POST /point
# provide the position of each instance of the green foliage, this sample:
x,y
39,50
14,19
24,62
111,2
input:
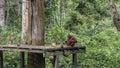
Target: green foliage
x,y
88,20
13,14
7,33
102,51
11,60
13,28
55,34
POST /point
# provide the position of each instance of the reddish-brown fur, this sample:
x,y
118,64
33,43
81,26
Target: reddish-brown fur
x,y
70,40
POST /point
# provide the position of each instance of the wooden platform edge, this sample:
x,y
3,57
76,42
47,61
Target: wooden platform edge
x,y
63,51
45,50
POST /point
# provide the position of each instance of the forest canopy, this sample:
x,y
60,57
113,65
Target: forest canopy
x,y
90,21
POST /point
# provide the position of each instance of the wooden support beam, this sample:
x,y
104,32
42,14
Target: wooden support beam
x,y
55,62
74,61
1,59
22,60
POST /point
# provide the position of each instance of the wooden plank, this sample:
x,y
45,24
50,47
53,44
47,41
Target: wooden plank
x,y
65,52
46,47
21,50
55,62
74,61
65,48
1,59
22,60
22,46
46,50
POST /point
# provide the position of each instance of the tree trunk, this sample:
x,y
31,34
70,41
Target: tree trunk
x,y
26,22
2,13
115,15
33,30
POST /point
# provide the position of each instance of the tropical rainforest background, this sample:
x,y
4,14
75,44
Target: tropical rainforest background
x,y
89,21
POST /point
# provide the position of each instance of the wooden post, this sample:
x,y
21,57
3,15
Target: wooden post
x,y
1,59
74,61
22,61
55,61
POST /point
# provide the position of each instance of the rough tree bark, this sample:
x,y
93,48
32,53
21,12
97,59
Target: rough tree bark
x,y
2,13
115,14
26,21
33,29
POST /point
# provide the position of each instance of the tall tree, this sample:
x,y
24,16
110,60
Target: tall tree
x,y
33,29
115,14
2,13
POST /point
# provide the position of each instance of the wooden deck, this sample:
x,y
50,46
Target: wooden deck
x,y
47,50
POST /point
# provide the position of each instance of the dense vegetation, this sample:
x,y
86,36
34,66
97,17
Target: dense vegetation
x,y
88,20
